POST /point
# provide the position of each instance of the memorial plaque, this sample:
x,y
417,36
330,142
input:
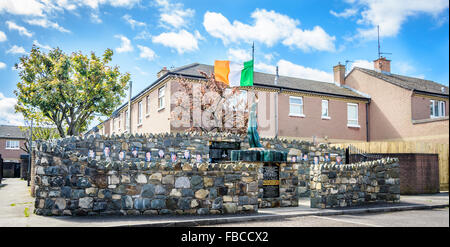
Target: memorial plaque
x,y
271,181
220,151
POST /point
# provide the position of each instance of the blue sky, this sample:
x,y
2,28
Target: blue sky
x,y
304,38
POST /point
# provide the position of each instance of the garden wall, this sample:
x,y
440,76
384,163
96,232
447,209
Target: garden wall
x,y
355,184
163,174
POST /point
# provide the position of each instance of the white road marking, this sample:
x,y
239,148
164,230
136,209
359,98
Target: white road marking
x,y
346,221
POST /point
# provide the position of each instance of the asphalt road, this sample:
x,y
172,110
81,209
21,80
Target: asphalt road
x,y
414,218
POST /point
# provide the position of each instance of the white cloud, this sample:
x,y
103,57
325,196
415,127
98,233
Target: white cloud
x,y
2,65
391,15
7,112
362,64
133,23
239,55
143,35
16,50
346,13
95,18
269,27
43,22
125,46
173,14
265,68
2,36
22,30
306,40
36,43
22,7
124,3
146,53
269,57
287,68
182,41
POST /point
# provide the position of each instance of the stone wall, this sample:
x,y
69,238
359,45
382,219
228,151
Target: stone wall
x,y
162,173
355,184
70,184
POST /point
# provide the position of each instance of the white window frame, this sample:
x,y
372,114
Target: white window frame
x,y
442,108
9,145
295,114
126,114
437,106
147,105
327,116
353,125
161,98
140,113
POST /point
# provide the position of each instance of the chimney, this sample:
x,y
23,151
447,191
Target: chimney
x,y
339,74
382,65
162,72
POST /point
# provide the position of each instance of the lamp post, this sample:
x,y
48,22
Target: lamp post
x,y
30,149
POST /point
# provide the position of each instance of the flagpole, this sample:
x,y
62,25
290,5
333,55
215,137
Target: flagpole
x,y
253,71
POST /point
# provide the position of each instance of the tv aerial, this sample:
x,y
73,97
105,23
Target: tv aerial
x,y
379,51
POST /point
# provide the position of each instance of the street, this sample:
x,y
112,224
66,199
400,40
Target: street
x,y
414,218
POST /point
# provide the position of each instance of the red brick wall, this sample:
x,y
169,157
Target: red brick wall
x,y
11,154
419,173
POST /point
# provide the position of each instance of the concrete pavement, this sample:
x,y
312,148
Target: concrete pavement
x,y
15,201
438,217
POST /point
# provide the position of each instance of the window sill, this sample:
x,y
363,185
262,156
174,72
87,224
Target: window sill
x,y
296,115
429,120
326,118
147,115
12,148
139,125
353,126
160,109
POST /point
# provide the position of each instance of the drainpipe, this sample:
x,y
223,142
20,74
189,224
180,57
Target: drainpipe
x,y
129,109
367,122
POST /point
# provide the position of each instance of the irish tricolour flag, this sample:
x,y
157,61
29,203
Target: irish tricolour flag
x,y
234,74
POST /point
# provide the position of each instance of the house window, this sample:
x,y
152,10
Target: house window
x,y
11,144
120,120
437,108
352,115
140,112
127,122
325,109
147,105
161,98
296,106
442,106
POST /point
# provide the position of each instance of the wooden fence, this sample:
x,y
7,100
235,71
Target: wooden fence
x,y
409,147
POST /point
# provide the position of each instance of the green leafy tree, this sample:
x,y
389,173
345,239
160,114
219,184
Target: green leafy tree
x,y
43,129
69,90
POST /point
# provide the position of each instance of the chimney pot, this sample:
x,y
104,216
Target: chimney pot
x,y
339,74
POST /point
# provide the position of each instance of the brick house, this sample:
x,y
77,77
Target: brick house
x,y
307,109
11,139
402,108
